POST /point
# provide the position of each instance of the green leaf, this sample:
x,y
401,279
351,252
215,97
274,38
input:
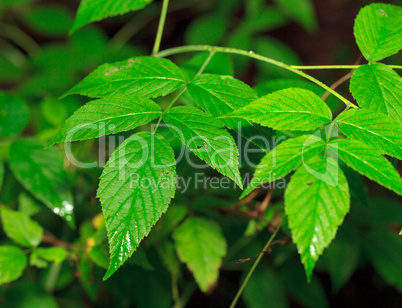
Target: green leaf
x,y
316,202
141,76
201,245
20,228
135,190
100,256
289,109
27,205
95,10
277,50
169,258
49,20
375,129
384,250
1,175
12,263
41,172
342,256
273,295
206,30
270,86
367,162
221,95
283,159
207,138
378,31
301,11
14,115
40,256
309,295
173,216
109,115
379,88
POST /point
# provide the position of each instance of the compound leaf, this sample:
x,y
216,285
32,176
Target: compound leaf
x,y
201,245
13,261
142,76
95,10
316,202
207,138
289,109
135,190
367,162
41,172
286,157
378,31
221,95
20,228
375,129
379,88
109,115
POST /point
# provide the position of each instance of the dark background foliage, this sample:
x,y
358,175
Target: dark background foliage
x,y
39,62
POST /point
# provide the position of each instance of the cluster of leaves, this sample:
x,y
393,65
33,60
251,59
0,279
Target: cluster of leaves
x,y
129,93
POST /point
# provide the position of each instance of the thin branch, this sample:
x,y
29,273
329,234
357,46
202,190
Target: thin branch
x,y
264,204
286,241
342,79
253,268
49,238
251,54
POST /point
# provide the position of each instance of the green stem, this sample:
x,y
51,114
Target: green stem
x,y
204,65
253,268
251,54
52,277
160,27
329,67
168,107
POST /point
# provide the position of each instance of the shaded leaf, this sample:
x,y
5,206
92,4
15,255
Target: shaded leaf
x,y
14,115
311,295
201,245
206,30
316,202
342,256
49,20
207,138
378,31
135,190
367,162
95,10
379,88
109,115
375,129
283,159
12,263
41,172
142,76
20,228
384,250
273,294
301,11
289,109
